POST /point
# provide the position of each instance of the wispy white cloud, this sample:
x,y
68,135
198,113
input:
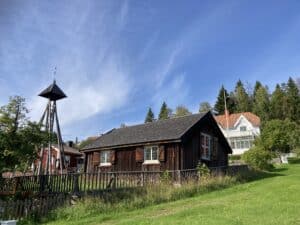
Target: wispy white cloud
x,y
123,15
94,87
107,92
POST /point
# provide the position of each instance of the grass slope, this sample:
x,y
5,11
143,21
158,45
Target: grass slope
x,y
273,200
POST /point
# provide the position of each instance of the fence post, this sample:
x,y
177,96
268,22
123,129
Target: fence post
x,y
42,183
76,184
179,176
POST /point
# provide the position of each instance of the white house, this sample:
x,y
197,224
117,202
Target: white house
x,y
240,129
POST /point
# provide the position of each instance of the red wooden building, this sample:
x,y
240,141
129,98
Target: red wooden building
x,y
73,158
171,144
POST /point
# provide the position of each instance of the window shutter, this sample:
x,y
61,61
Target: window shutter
x,y
96,158
112,157
162,154
139,154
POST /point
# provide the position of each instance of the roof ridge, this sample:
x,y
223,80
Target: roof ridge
x,y
158,121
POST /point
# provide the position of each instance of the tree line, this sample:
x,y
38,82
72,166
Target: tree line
x,y
282,103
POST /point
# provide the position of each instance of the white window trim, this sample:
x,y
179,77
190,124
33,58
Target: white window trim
x,y
107,163
209,147
152,161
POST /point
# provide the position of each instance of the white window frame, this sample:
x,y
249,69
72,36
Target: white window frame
x,y
151,160
106,158
204,146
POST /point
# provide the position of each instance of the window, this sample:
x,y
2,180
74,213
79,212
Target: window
x,y
105,158
243,128
242,142
205,146
151,154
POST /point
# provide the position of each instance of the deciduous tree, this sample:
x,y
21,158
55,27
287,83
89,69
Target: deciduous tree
x,y
181,110
204,107
19,137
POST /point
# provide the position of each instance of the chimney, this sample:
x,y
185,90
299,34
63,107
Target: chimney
x,y
70,143
227,118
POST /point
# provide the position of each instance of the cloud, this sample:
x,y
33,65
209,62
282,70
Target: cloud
x,y
109,91
122,18
174,93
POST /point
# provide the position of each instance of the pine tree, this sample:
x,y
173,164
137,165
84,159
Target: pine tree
x,y
293,100
220,103
278,103
242,98
164,112
150,116
261,106
204,107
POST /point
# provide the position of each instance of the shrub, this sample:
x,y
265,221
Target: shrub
x,y
165,177
258,158
203,170
293,160
297,151
235,157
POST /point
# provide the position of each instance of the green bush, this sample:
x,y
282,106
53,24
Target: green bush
x,y
203,170
297,151
293,160
258,158
235,157
165,177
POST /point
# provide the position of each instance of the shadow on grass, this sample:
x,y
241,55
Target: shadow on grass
x,y
255,175
281,169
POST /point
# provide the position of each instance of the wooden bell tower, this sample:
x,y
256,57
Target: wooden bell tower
x,y
50,122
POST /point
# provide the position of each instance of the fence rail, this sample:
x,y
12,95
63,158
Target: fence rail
x,y
57,189
85,182
33,207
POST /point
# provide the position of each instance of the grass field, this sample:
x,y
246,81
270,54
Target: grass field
x,y
272,200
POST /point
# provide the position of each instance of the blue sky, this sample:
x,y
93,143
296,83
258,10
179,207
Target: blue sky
x,y
114,59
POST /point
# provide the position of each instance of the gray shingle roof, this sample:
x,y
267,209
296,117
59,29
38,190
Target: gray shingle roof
x,y
161,130
69,149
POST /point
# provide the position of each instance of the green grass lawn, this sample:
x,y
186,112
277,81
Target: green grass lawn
x,y
273,200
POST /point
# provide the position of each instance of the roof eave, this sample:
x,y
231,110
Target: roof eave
x,y
131,145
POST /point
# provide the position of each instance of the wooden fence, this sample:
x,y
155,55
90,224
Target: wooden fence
x,y
31,207
85,182
57,189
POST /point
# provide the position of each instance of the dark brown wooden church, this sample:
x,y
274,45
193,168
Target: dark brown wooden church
x,y
171,144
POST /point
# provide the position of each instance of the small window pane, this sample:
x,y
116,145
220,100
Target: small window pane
x,y
246,144
147,154
154,153
243,128
102,157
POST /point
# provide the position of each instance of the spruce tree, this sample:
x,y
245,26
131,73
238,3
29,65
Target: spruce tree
x,y
256,87
293,100
150,116
220,103
242,98
164,112
231,103
278,103
261,106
